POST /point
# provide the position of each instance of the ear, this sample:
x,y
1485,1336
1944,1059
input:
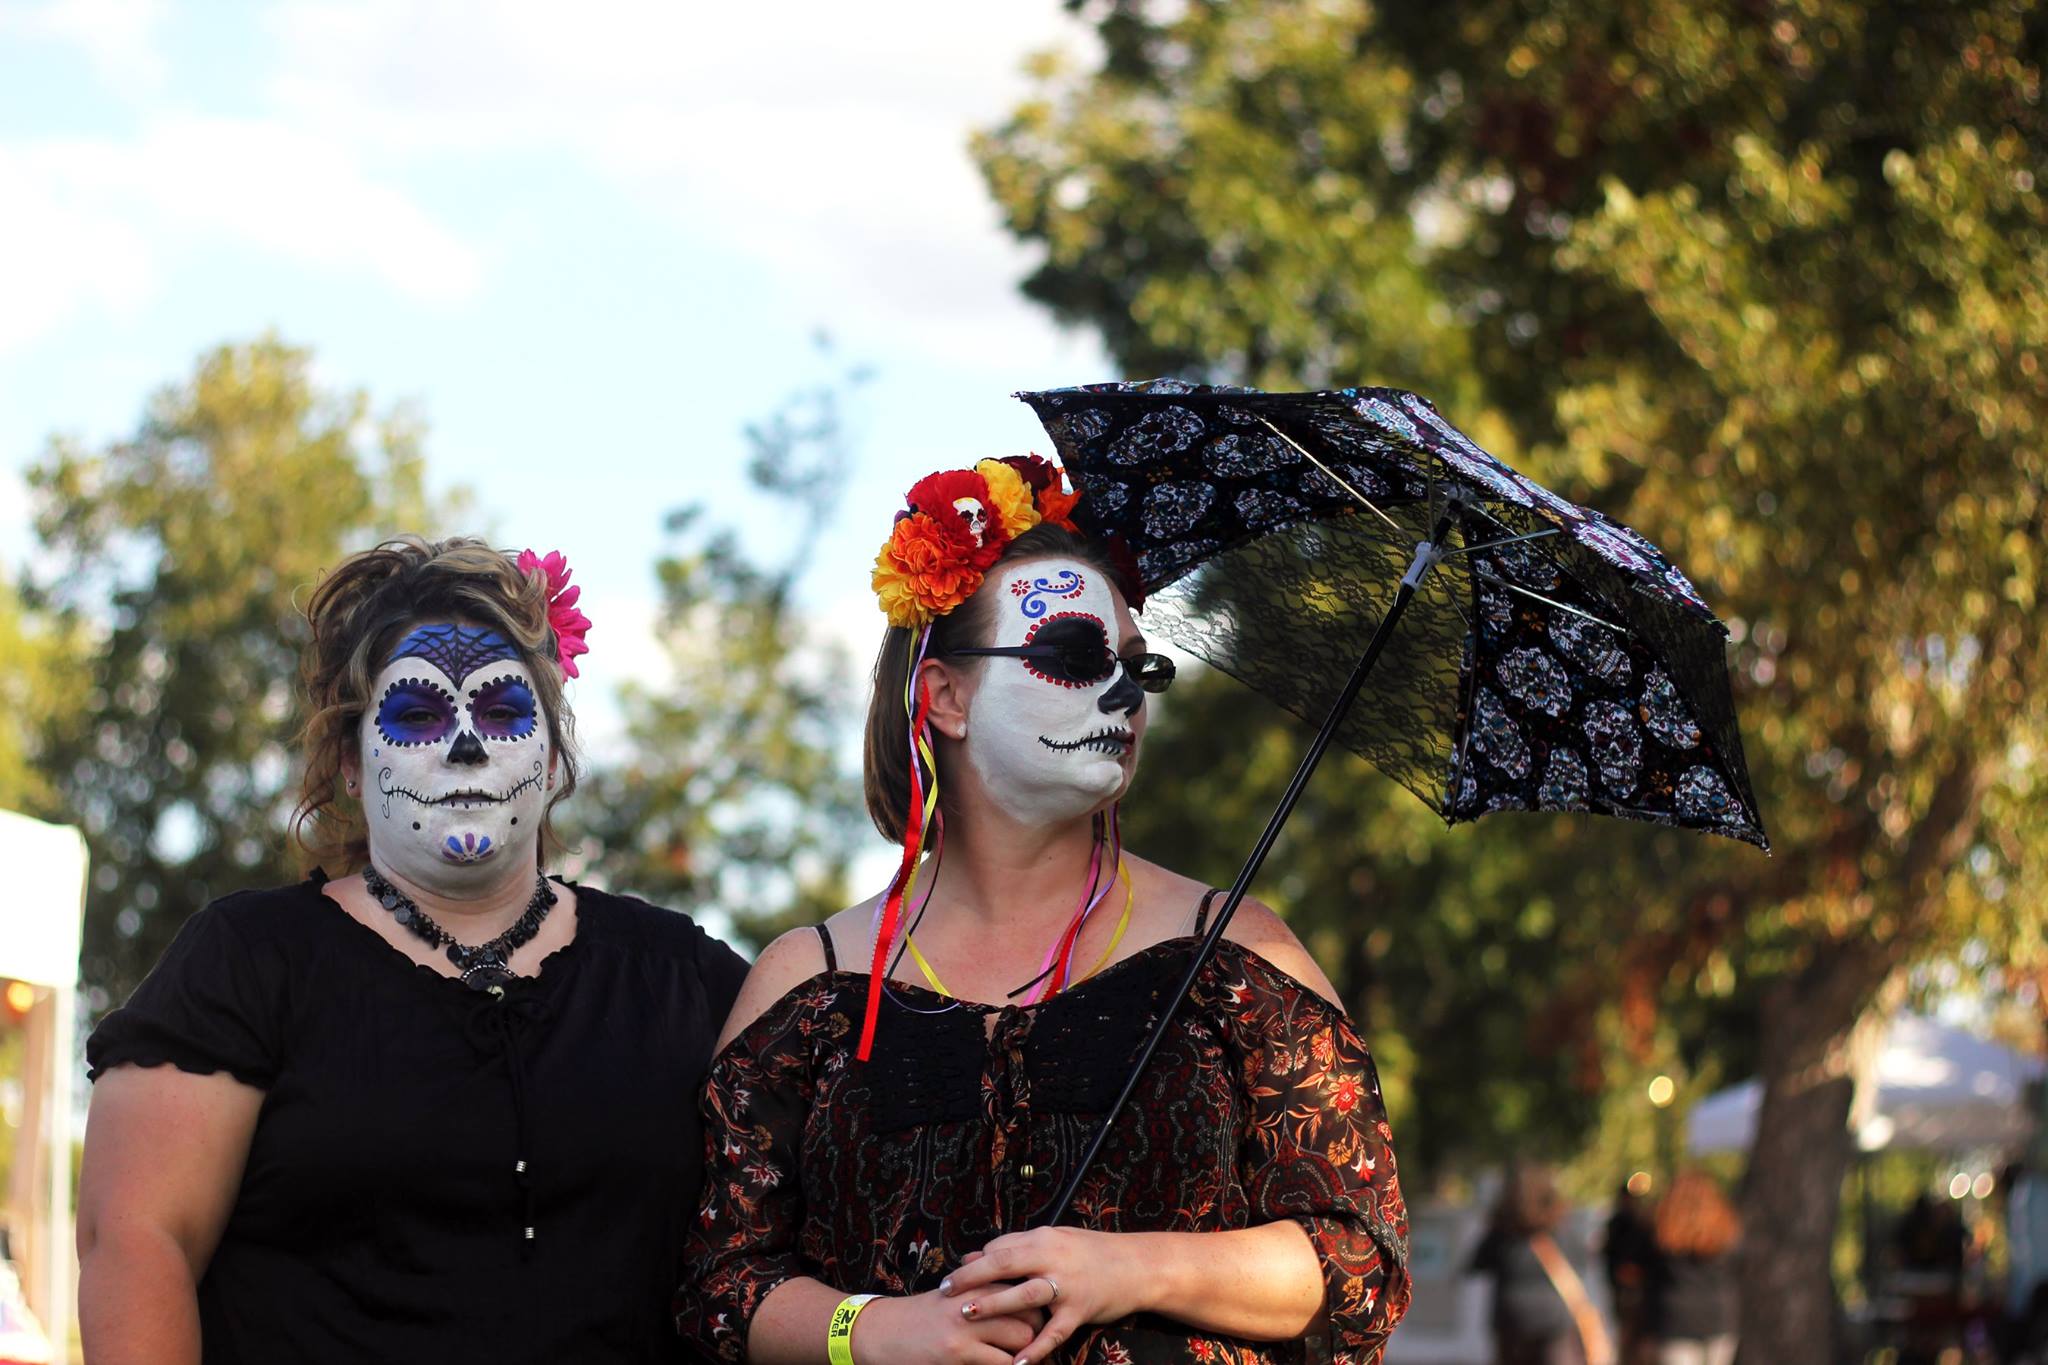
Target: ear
x,y
351,766
952,691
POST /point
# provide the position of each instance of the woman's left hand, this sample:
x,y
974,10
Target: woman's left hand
x,y
1074,1275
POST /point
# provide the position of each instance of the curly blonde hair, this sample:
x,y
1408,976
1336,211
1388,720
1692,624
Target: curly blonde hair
x,y
357,614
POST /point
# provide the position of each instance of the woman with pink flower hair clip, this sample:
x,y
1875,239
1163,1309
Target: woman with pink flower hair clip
x,y
441,1105
903,1091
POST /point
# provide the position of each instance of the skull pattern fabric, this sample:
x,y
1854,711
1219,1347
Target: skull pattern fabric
x,y
1556,660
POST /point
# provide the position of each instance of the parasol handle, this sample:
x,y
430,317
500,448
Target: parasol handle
x,y
1427,554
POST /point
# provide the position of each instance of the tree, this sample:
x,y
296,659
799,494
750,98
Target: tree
x,y
176,555
37,695
1763,280
735,796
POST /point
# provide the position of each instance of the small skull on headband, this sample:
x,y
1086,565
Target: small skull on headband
x,y
975,515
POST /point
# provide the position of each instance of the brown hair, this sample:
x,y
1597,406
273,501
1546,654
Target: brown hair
x,y
1695,1219
358,613
885,764
1530,1203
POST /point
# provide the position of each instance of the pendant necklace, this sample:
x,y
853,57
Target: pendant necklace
x,y
484,967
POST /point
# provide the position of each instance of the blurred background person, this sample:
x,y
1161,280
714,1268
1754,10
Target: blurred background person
x,y
1541,1313
1691,1312
1626,1251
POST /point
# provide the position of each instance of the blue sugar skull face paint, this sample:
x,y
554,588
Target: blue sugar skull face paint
x,y
457,651
455,759
503,709
416,711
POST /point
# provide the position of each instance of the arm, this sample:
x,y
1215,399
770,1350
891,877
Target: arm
x,y
151,1212
1316,1163
1257,1284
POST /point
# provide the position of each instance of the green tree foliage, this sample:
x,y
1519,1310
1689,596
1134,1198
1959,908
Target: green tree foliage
x,y
38,693
175,556
1763,280
733,794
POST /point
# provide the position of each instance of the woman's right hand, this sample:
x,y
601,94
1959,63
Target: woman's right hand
x,y
928,1329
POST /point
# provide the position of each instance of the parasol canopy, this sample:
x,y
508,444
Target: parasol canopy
x,y
1550,659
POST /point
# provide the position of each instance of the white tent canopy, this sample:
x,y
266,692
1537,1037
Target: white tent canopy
x,y
39,931
1939,1089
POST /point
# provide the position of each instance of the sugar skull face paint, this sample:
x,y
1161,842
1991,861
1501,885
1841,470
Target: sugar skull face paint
x,y
1053,737
454,758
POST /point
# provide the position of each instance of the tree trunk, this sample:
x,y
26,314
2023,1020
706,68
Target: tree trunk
x,y
1819,1039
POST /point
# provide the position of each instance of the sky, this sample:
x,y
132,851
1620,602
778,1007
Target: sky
x,y
588,243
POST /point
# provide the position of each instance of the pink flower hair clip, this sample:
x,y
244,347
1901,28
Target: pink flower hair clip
x,y
569,624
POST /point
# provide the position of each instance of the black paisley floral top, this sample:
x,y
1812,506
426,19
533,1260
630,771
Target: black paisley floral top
x,y
1261,1105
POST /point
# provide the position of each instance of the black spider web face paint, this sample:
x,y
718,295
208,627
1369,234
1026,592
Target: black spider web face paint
x,y
457,651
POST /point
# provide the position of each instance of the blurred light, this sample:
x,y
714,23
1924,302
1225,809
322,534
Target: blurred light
x,y
1876,1133
1639,1184
1959,1185
1982,1185
21,997
1662,1090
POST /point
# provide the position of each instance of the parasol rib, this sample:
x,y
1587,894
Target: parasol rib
x,y
1335,477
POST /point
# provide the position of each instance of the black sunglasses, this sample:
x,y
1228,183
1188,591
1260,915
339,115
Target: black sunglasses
x,y
1080,654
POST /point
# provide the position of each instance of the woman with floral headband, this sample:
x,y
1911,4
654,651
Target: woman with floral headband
x,y
901,1092
443,1106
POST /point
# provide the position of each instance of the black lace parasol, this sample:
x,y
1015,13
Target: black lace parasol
x,y
1357,559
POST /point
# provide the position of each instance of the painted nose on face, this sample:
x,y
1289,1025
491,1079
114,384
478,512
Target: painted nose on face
x,y
468,749
1126,696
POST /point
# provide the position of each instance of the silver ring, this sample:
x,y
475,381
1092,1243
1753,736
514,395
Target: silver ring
x,y
1055,1288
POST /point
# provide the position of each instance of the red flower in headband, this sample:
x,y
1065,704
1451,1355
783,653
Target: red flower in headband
x,y
960,502
564,619
1055,504
957,526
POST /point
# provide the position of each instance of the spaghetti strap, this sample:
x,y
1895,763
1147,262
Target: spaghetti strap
x,y
825,937
1202,911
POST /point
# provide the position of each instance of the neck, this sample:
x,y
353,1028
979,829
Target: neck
x,y
473,914
1008,874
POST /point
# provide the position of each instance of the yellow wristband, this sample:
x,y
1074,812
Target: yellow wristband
x,y
839,1336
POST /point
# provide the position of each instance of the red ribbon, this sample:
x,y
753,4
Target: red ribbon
x,y
892,908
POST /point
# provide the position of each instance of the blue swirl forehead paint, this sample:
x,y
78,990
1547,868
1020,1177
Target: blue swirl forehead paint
x,y
457,651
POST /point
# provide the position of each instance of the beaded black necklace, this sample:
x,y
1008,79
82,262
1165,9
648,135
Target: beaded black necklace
x,y
484,967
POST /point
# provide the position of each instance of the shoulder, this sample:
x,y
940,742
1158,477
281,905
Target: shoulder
x,y
783,965
278,922
264,911
1176,899
647,932
644,925
1255,926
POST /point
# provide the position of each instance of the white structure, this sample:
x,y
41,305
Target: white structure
x,y
39,931
1939,1089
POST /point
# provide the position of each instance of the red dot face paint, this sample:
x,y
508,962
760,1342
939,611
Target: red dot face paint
x,y
1039,734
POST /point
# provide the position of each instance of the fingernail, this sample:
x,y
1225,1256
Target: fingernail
x,y
946,1286
968,1310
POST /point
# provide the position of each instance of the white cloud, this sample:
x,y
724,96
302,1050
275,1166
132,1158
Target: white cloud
x,y
59,255
118,37
816,138
93,222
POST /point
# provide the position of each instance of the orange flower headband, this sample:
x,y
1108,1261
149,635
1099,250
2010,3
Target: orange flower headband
x,y
955,528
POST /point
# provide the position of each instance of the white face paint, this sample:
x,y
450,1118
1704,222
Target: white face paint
x,y
1048,748
454,760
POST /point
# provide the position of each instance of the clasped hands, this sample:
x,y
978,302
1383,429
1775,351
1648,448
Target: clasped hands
x,y
1014,1302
